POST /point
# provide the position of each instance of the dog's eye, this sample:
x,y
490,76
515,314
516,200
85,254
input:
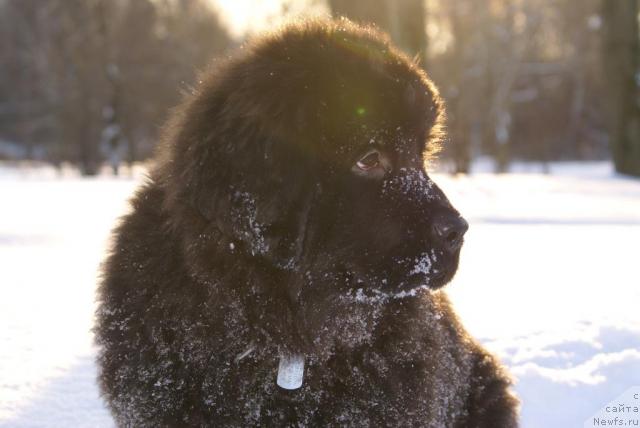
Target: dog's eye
x,y
373,164
369,161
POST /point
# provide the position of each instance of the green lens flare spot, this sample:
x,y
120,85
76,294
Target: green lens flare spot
x,y
361,111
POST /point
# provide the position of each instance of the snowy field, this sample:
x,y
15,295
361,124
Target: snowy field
x,y
549,280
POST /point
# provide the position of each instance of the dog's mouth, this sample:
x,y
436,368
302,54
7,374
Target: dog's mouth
x,y
432,268
436,279
360,290
402,276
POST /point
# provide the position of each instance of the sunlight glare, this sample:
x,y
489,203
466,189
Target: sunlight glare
x,y
246,17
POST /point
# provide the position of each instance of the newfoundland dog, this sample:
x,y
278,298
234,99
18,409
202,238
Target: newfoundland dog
x,y
280,265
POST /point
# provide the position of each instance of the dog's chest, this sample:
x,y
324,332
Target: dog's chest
x,y
368,387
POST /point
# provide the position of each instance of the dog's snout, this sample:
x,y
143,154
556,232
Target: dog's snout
x,y
450,230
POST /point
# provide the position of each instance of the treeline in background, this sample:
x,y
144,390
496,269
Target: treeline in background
x,y
90,82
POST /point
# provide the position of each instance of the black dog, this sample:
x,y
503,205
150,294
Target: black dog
x,y
279,267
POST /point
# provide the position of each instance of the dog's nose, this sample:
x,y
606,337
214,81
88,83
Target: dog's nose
x,y
450,230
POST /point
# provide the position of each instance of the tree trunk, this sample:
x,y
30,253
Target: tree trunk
x,y
404,20
621,50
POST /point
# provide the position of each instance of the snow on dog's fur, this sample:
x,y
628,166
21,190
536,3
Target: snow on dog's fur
x,y
290,214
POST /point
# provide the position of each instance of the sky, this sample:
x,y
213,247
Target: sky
x,y
246,16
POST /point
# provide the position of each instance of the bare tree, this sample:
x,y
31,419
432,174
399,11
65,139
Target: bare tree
x,y
404,20
621,55
520,79
92,80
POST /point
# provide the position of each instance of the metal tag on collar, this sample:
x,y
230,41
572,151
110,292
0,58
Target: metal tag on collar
x,y
291,372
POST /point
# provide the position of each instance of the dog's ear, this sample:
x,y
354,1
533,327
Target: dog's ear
x,y
234,186
265,205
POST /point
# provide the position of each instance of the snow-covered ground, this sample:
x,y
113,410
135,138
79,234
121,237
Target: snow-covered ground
x,y
549,280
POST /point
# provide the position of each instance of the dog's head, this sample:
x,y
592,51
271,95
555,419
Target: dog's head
x,y
306,154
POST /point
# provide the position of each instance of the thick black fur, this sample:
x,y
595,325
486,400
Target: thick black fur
x,y
254,238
